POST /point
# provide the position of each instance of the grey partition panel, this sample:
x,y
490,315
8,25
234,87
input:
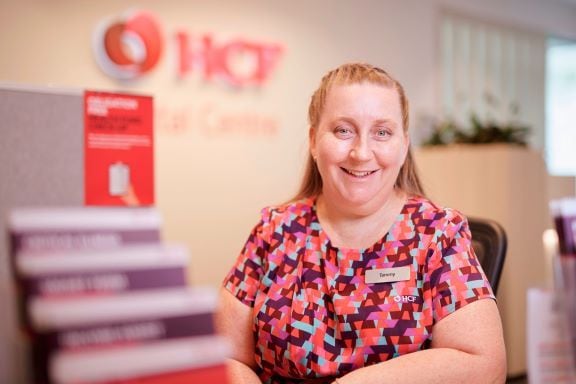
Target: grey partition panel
x,y
41,163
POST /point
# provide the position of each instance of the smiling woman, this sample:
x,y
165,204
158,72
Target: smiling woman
x,y
359,147
360,278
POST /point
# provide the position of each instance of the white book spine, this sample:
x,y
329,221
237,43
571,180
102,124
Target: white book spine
x,y
82,218
130,257
53,314
105,365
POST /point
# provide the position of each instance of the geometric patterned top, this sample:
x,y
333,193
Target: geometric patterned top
x,y
316,316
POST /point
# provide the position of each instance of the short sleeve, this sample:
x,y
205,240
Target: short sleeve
x,y
243,280
456,276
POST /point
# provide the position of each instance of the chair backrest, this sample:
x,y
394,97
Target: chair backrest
x,y
490,243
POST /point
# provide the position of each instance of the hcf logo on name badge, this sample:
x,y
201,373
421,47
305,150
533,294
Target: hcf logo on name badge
x,y
387,275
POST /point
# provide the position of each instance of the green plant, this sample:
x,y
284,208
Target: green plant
x,y
483,132
479,132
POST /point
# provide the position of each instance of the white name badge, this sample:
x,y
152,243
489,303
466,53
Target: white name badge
x,y
387,275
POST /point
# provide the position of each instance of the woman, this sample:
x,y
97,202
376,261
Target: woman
x,y
360,278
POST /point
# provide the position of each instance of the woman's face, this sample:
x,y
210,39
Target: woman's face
x,y
359,144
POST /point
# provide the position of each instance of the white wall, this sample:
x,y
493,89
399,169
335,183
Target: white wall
x,y
211,188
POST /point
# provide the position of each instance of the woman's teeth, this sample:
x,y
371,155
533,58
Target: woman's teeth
x,y
357,173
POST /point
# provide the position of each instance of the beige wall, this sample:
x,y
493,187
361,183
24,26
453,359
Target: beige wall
x,y
210,188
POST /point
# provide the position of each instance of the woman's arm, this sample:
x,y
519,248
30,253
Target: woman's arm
x,y
467,347
234,321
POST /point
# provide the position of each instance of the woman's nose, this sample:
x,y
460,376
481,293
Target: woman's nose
x,y
361,150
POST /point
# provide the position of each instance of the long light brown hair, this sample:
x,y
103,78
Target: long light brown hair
x,y
354,73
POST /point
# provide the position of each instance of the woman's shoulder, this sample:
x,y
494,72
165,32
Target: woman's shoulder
x,y
287,212
423,210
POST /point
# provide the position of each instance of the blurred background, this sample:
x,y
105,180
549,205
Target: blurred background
x,y
231,83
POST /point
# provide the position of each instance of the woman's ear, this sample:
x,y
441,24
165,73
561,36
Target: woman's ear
x,y
406,145
312,141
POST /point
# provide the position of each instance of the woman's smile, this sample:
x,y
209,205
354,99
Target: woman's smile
x,y
358,174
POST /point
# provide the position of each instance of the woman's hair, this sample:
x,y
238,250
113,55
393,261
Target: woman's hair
x,y
355,73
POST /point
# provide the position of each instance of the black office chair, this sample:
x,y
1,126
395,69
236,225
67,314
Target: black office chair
x,y
490,243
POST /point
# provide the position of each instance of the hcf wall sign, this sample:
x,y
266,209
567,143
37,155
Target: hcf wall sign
x,y
128,46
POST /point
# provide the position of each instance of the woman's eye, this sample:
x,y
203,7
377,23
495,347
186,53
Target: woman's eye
x,y
382,133
343,131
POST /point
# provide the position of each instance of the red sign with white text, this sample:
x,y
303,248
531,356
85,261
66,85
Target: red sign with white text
x,y
119,149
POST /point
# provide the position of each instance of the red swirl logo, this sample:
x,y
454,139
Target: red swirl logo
x,y
128,46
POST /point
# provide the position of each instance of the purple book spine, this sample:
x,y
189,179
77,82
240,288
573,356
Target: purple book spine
x,y
566,229
98,282
129,332
116,334
48,240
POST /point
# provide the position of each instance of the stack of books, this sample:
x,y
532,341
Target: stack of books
x,y
104,300
551,311
564,214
